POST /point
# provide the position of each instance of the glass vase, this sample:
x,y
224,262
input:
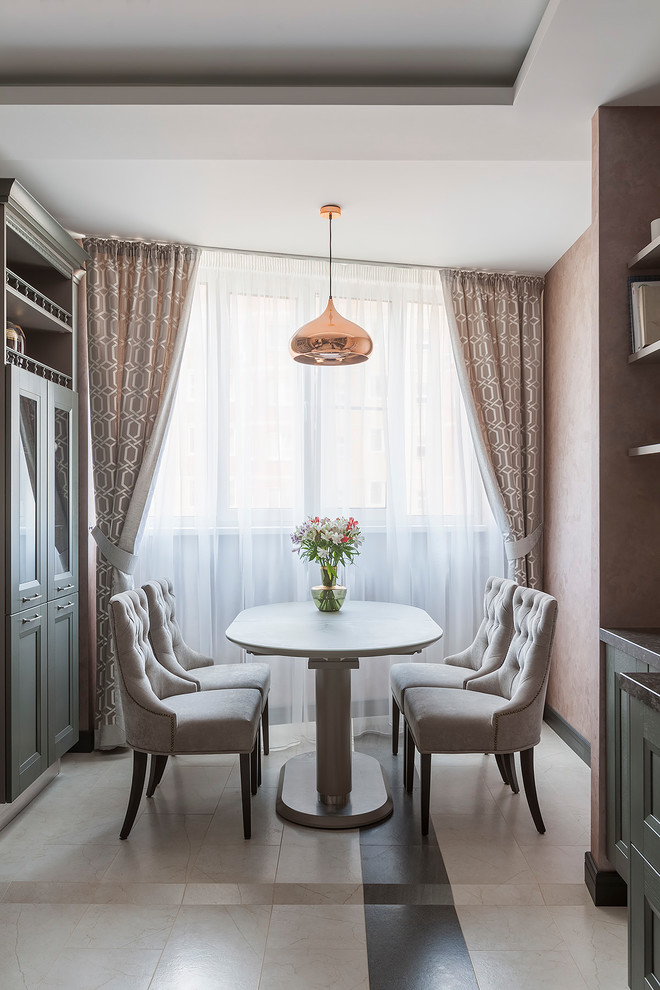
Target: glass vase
x,y
328,596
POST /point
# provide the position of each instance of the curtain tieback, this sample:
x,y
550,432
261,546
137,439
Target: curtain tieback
x,y
515,549
121,559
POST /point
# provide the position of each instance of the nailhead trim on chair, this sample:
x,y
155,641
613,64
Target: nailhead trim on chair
x,y
514,711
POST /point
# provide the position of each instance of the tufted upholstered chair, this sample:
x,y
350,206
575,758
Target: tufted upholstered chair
x,y
501,712
165,714
486,653
179,658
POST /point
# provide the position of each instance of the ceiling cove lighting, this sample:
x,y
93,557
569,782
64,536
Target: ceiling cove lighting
x,y
330,339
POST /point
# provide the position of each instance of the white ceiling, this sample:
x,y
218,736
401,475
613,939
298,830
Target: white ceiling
x,y
444,135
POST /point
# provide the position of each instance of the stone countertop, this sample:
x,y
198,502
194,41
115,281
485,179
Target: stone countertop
x,y
642,644
644,687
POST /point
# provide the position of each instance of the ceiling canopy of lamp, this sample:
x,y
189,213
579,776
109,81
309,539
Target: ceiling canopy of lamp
x,y
330,339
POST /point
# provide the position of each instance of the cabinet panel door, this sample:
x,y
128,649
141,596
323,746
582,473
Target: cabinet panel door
x,y
27,486
618,800
645,780
62,534
644,924
27,734
62,676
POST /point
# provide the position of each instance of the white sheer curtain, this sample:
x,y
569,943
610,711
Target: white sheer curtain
x,y
257,442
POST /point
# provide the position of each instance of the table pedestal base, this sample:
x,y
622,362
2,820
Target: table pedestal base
x,y
298,801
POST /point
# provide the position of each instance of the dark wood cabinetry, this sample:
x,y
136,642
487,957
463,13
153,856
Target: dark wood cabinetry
x,y
41,265
627,651
618,761
648,259
644,829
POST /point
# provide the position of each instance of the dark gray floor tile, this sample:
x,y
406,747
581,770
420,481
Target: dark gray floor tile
x,y
407,893
412,947
402,864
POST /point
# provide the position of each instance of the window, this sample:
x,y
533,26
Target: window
x,y
257,431
257,442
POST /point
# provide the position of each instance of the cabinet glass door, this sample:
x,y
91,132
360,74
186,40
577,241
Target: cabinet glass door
x,y
62,492
27,584
27,488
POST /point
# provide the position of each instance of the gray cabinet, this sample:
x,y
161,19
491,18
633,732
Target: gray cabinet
x,y
644,924
617,723
42,643
644,885
40,268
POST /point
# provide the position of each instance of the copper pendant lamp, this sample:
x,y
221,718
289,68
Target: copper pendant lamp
x,y
330,339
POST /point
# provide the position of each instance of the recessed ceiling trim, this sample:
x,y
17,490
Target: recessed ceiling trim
x,y
132,95
535,46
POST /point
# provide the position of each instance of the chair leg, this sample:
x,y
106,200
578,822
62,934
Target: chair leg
x,y
254,771
395,727
405,754
245,759
501,766
156,771
425,775
410,758
259,756
137,785
266,729
527,767
511,771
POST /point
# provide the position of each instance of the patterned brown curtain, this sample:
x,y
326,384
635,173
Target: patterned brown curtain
x,y
496,329
138,305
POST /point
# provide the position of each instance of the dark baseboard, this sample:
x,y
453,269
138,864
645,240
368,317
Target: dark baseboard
x,y
571,736
85,742
606,887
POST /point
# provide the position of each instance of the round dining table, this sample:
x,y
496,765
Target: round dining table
x,y
333,787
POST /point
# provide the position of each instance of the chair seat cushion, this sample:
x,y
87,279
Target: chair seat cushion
x,y
452,721
441,675
215,721
221,676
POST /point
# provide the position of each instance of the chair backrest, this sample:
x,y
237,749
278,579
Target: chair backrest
x,y
165,632
490,645
523,677
143,682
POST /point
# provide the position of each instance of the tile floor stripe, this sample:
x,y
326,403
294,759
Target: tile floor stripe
x,y
414,938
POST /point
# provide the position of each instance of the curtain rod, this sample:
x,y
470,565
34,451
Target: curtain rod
x,y
321,258
314,257
356,261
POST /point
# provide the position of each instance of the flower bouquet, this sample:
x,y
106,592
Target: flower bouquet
x,y
331,542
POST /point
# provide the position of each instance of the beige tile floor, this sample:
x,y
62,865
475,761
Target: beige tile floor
x,y
187,904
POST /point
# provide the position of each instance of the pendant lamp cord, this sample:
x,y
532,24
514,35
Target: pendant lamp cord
x,y
330,222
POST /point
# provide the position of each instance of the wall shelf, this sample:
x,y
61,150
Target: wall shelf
x,y
648,257
650,354
649,448
32,315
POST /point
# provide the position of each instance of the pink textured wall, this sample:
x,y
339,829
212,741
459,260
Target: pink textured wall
x,y
571,480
